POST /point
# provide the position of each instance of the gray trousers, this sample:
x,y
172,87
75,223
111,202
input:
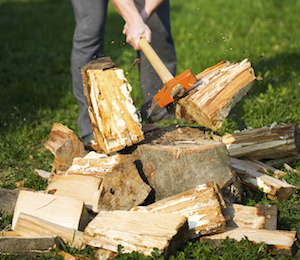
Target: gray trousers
x,y
88,44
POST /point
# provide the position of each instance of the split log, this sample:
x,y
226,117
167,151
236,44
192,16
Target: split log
x,y
283,160
264,143
224,85
258,217
28,225
112,114
181,158
273,187
65,146
65,211
137,231
11,242
200,205
276,240
111,183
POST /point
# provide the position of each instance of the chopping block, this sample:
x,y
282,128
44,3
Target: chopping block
x,y
175,159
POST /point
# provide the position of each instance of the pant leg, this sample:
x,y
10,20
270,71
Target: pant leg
x,y
88,44
162,43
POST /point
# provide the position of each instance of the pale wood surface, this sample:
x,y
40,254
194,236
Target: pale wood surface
x,y
28,225
112,114
200,205
257,217
64,145
65,211
110,183
275,188
276,240
269,142
137,231
224,85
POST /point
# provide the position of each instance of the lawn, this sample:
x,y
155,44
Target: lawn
x,y
36,91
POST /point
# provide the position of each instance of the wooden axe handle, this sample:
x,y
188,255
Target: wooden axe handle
x,y
160,68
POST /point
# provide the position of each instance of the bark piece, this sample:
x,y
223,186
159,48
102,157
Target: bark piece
x,y
200,205
276,240
65,211
111,183
65,146
112,114
273,187
28,225
137,231
11,242
224,85
264,143
258,217
181,158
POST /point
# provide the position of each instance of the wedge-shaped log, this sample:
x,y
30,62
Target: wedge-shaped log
x,y
273,187
276,240
11,242
181,158
65,146
224,85
257,217
65,211
112,114
200,205
137,231
270,142
111,183
28,225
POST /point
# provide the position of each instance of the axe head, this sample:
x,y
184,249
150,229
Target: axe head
x,y
171,91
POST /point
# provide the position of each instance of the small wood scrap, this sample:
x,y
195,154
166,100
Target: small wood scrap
x,y
181,158
65,211
64,145
113,118
276,240
11,242
200,205
258,217
109,183
137,231
290,169
274,188
224,85
270,142
31,226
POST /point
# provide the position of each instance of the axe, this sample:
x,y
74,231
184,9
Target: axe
x,y
174,87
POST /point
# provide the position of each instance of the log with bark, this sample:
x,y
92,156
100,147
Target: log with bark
x,y
200,205
65,211
276,240
175,159
112,114
274,188
109,183
271,142
137,231
224,85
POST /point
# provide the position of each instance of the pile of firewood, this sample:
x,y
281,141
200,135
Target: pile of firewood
x,y
155,189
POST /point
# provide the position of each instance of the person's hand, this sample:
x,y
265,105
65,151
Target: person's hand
x,y
134,32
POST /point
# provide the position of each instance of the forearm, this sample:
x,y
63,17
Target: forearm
x,y
149,8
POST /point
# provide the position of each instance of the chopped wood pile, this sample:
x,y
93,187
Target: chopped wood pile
x,y
155,189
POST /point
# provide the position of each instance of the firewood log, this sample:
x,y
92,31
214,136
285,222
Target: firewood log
x,y
200,205
224,85
137,231
112,114
110,183
264,143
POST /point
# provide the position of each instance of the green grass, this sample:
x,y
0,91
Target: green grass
x,y
36,91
